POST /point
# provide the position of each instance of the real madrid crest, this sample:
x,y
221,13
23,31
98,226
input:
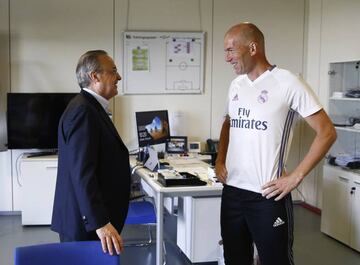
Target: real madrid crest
x,y
263,97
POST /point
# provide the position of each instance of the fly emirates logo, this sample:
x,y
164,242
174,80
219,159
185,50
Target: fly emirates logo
x,y
246,122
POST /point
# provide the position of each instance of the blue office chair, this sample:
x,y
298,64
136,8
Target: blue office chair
x,y
141,213
69,253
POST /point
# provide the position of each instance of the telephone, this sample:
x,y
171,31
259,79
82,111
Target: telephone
x,y
212,145
212,149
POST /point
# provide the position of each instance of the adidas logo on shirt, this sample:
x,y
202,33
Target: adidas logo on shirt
x,y
278,222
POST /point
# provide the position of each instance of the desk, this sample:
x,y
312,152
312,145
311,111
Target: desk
x,y
159,192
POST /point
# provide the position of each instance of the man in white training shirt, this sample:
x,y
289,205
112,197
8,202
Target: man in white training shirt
x,y
254,142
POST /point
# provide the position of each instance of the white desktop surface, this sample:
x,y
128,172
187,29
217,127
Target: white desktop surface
x,y
199,168
159,191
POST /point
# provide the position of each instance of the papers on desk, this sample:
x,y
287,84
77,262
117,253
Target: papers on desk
x,y
212,176
198,171
152,161
196,167
204,173
183,161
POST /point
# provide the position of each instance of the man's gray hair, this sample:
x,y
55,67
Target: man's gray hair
x,y
88,63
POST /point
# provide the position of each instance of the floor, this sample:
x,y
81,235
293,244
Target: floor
x,y
311,247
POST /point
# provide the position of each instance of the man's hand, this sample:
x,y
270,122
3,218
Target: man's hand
x,y
281,186
221,172
110,238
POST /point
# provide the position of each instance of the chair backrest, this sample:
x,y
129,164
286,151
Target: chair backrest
x,y
69,253
141,212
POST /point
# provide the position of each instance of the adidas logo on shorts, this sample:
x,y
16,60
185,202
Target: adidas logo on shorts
x,y
278,222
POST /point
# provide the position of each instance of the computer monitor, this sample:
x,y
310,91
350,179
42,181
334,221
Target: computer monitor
x,y
176,145
152,127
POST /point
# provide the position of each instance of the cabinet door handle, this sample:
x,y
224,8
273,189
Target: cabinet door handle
x,y
51,167
343,179
353,189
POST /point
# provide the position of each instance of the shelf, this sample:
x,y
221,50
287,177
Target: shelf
x,y
353,171
348,129
345,99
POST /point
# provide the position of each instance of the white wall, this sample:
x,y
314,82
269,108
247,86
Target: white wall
x,y
4,66
5,162
47,38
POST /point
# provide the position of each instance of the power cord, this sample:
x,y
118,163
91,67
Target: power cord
x,y
18,168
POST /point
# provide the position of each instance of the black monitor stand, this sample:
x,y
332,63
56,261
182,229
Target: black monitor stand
x,y
213,156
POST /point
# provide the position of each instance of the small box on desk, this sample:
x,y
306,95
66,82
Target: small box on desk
x,y
170,178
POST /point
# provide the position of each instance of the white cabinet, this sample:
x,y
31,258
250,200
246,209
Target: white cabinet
x,y
340,216
341,187
198,228
335,218
355,214
5,182
38,176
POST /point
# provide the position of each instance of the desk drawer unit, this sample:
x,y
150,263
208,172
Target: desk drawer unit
x,y
198,228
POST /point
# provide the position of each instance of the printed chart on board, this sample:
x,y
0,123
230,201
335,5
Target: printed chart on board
x,y
163,62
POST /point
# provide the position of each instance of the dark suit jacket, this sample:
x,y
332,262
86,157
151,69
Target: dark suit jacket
x,y
93,180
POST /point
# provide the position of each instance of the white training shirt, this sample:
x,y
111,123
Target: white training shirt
x,y
261,121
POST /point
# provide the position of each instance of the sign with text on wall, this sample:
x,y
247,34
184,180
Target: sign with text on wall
x,y
163,62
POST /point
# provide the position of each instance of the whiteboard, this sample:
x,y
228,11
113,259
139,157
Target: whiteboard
x,y
163,62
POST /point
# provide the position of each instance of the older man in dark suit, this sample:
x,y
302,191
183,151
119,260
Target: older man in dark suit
x,y
93,181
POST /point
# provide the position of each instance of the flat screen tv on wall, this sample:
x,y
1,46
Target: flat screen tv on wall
x,y
33,118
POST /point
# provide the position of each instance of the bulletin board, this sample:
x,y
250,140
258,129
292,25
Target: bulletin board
x,y
163,62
